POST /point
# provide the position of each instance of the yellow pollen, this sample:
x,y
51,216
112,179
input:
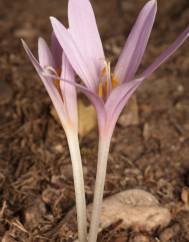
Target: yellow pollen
x,y
107,82
104,71
115,81
100,89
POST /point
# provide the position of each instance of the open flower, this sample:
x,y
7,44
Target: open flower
x,y
109,92
83,48
64,98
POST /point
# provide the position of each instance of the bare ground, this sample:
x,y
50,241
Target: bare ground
x,y
36,187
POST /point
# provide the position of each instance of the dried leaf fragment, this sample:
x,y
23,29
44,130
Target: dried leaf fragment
x,y
87,118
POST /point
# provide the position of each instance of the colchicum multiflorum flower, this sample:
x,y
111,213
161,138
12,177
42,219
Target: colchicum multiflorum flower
x,y
108,91
64,98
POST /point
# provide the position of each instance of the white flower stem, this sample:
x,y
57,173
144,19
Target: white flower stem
x,y
73,143
103,151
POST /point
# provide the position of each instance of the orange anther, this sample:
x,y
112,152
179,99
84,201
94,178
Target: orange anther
x,y
115,81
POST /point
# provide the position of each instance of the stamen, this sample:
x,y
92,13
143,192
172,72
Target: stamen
x,y
115,81
105,88
100,89
107,81
104,80
103,73
108,71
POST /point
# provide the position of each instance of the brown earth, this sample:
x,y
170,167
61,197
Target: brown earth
x,y
36,187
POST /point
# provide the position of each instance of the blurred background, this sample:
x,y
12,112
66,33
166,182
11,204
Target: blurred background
x,y
150,146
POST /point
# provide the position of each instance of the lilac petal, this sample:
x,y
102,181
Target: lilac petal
x,y
56,51
52,91
120,104
73,54
95,100
120,96
84,30
167,53
44,53
69,91
136,43
117,95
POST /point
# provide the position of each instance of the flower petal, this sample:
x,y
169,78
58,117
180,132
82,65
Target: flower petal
x,y
95,100
56,51
69,91
136,43
84,30
44,53
52,91
117,95
167,53
120,96
73,53
114,114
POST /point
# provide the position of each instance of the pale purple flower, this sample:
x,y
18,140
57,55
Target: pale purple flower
x,y
108,92
83,48
64,98
54,60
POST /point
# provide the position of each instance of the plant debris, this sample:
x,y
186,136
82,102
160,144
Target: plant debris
x,y
34,158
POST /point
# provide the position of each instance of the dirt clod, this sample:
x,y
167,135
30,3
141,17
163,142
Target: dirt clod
x,y
140,238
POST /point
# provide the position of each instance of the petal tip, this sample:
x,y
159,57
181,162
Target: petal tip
x,y
152,4
23,42
41,41
24,45
41,44
52,19
55,22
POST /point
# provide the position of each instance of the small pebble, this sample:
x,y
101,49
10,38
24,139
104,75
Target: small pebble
x,y
141,238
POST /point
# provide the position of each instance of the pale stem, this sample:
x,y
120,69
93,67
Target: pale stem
x,y
73,143
103,151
